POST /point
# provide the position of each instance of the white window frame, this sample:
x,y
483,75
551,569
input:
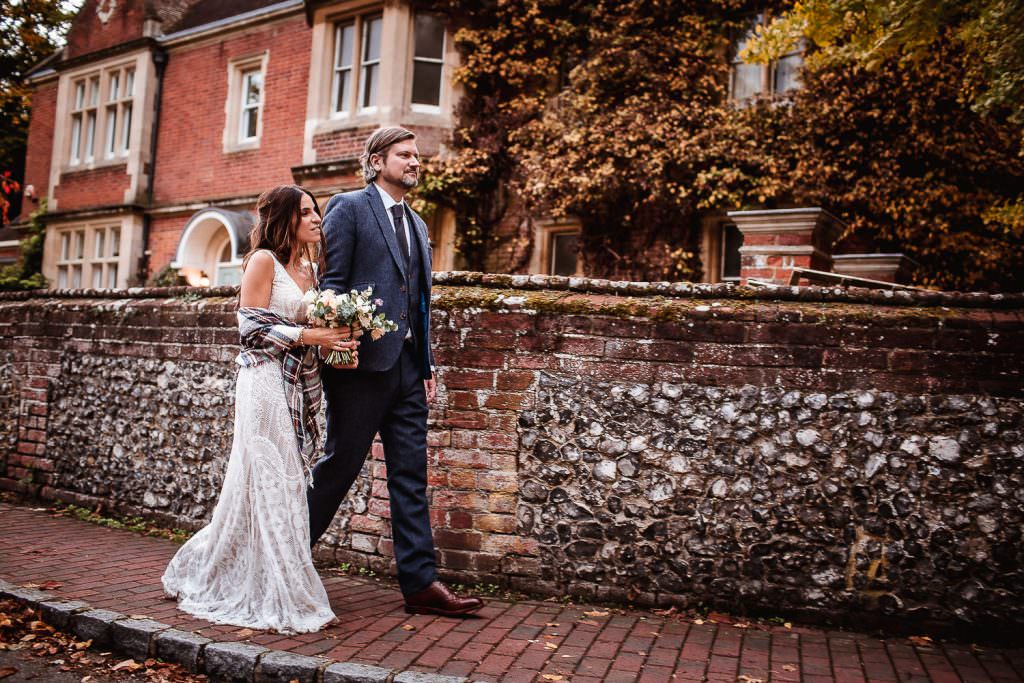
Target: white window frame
x,y
249,109
364,64
91,254
237,107
101,116
350,70
71,259
767,71
419,107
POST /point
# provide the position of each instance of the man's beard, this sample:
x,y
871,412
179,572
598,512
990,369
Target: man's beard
x,y
409,183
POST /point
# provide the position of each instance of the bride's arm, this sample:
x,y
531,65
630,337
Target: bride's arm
x,y
257,283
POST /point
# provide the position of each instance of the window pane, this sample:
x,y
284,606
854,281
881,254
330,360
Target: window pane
x,y
342,89
79,94
65,246
345,37
114,83
94,91
97,276
112,275
129,83
787,73
111,141
426,83
76,136
429,36
115,242
98,251
90,134
253,87
76,277
126,128
62,277
79,251
250,124
746,80
563,254
370,85
371,39
732,240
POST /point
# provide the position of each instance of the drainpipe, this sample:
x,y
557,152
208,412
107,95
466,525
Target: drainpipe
x,y
160,62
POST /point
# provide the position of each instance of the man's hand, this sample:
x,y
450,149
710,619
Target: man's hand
x,y
431,386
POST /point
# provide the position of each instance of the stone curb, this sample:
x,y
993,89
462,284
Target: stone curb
x,y
222,661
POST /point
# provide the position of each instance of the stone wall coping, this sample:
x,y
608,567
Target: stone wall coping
x,y
679,290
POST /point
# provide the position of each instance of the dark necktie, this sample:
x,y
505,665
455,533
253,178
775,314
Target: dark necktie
x,y
403,242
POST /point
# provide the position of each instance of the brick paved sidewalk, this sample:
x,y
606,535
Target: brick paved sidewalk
x,y
509,642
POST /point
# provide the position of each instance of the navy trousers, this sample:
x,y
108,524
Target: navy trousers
x,y
394,403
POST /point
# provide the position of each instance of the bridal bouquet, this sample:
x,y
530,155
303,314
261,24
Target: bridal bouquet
x,y
356,309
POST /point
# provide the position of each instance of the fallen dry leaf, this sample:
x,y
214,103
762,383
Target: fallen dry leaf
x,y
666,612
699,622
30,636
788,667
550,646
7,671
245,632
748,679
551,677
596,613
129,664
588,622
741,624
408,627
921,641
551,623
788,625
138,616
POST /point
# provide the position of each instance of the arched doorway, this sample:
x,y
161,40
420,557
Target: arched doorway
x,y
212,246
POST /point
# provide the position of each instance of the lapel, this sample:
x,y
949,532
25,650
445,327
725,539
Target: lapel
x,y
377,204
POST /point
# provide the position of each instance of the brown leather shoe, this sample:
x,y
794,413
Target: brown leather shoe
x,y
437,598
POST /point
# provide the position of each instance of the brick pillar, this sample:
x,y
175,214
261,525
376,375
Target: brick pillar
x,y
777,241
897,268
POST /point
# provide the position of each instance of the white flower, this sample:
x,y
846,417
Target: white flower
x,y
310,296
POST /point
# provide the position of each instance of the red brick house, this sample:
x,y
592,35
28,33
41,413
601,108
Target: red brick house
x,y
159,124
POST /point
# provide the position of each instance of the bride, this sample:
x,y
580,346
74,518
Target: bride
x,y
252,565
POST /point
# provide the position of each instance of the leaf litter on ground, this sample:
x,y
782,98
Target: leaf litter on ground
x,y
21,628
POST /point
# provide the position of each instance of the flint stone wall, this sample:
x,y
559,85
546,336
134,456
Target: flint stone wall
x,y
846,455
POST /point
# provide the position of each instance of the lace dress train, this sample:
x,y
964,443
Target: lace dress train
x,y
252,565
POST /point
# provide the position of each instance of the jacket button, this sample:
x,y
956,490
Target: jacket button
x,y
403,288
403,316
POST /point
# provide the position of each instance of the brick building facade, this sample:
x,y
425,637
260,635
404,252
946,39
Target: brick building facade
x,y
159,124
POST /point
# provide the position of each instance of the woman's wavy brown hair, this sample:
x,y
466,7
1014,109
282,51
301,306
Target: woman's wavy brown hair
x,y
279,211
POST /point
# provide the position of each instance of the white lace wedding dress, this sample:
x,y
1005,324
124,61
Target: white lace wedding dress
x,y
252,565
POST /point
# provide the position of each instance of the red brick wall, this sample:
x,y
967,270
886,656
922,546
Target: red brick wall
x,y
191,162
40,142
164,234
89,34
348,143
96,187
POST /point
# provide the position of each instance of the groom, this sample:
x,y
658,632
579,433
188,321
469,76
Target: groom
x,y
375,240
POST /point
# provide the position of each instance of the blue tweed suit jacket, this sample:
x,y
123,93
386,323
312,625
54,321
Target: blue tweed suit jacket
x,y
362,251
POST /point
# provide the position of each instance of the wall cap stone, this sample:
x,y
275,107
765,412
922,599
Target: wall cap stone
x,y
681,290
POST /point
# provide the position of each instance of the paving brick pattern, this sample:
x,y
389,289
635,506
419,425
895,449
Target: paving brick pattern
x,y
509,642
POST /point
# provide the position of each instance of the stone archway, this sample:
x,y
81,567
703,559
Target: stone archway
x,y
211,247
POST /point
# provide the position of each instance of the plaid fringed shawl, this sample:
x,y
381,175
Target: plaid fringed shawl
x,y
262,342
